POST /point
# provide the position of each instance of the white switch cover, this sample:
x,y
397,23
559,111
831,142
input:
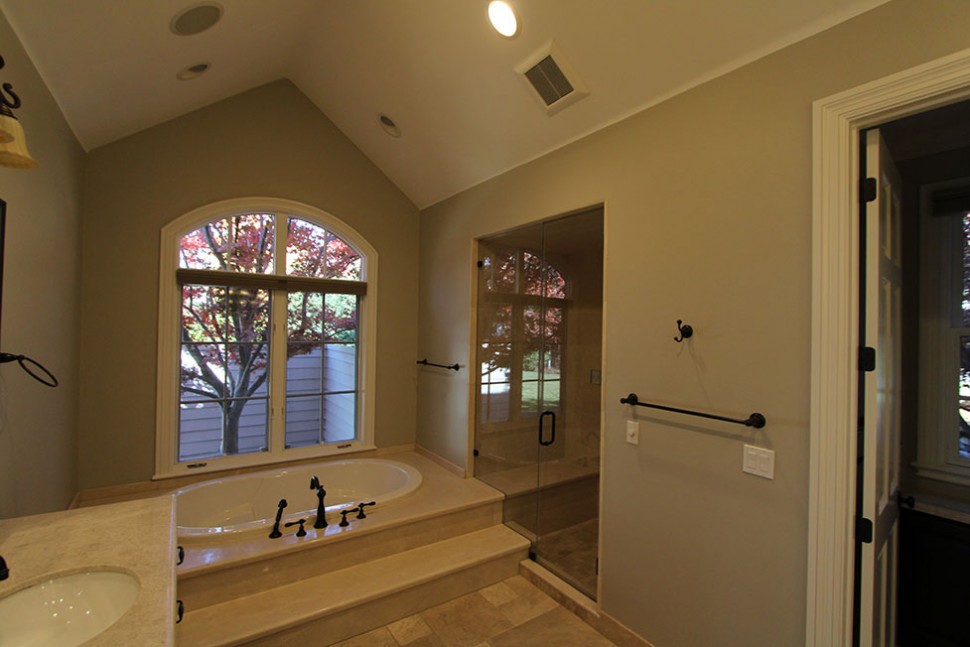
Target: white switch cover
x,y
633,432
759,461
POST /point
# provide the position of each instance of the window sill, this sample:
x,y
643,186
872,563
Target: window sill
x,y
942,472
944,508
254,462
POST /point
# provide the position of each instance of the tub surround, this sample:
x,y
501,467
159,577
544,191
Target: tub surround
x,y
442,541
137,537
439,491
249,503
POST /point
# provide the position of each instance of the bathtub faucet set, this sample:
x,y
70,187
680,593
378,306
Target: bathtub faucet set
x,y
321,521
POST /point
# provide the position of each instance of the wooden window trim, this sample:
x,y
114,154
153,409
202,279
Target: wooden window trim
x,y
270,282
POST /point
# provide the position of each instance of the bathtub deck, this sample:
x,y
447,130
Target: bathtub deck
x,y
440,542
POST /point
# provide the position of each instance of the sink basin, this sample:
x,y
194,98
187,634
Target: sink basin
x,y
66,610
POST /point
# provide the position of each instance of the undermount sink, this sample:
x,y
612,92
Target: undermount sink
x,y
66,610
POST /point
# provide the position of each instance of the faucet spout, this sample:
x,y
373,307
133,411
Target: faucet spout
x,y
4,571
321,521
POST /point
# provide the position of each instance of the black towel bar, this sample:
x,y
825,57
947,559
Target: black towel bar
x,y
453,367
755,420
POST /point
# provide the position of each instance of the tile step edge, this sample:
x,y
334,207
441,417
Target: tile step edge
x,y
314,598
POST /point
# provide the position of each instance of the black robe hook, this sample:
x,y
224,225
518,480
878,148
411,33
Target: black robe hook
x,y
685,331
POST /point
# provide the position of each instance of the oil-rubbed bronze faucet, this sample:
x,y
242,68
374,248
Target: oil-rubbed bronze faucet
x,y
4,571
360,509
321,521
302,531
279,515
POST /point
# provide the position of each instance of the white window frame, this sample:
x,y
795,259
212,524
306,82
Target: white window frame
x,y
167,464
518,301
940,329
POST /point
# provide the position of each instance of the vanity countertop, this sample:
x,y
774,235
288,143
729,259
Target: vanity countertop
x,y
133,536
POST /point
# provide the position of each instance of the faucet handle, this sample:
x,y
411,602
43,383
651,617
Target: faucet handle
x,y
360,509
314,482
4,571
343,517
302,531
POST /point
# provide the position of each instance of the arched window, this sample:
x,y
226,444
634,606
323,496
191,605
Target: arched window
x,y
262,353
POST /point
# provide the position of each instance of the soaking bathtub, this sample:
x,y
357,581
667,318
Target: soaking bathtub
x,y
237,504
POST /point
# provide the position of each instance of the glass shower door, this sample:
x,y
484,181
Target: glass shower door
x,y
537,431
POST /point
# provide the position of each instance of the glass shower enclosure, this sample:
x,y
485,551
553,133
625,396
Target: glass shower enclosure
x,y
539,340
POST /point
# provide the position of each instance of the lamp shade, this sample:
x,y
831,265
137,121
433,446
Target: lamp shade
x,y
6,130
14,153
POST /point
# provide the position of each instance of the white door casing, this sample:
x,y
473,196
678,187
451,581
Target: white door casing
x,y
837,121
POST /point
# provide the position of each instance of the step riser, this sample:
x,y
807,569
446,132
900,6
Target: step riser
x,y
214,587
377,613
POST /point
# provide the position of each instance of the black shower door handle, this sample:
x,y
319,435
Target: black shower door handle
x,y
546,443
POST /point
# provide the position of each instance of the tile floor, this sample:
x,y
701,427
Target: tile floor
x,y
571,554
512,613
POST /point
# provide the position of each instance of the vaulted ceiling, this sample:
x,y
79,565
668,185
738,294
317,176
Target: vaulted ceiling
x,y
435,67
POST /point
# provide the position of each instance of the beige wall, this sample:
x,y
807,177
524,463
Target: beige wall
x,y
270,141
708,219
38,425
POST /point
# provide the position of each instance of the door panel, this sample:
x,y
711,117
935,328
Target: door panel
x,y
881,431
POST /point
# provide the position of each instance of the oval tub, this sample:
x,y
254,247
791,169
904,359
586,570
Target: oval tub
x,y
249,502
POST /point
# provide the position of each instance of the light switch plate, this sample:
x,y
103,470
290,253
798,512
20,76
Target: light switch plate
x,y
633,432
759,461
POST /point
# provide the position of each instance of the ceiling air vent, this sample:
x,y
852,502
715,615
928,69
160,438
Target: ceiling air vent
x,y
552,78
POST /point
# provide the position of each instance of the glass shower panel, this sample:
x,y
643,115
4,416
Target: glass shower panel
x,y
506,447
538,400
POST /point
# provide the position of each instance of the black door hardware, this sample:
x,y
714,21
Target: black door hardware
x,y
552,439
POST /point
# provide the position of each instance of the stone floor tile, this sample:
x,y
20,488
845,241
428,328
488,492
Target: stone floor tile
x,y
409,629
557,627
498,594
466,621
379,637
526,607
431,640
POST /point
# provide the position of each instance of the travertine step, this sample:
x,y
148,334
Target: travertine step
x,y
203,585
327,608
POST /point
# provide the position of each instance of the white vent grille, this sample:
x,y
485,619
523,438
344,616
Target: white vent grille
x,y
552,78
549,81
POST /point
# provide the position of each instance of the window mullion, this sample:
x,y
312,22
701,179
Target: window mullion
x,y
277,390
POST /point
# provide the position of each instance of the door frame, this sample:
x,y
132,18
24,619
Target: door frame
x,y
833,413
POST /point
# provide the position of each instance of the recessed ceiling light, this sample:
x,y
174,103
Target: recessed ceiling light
x,y
192,72
502,17
196,19
389,126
